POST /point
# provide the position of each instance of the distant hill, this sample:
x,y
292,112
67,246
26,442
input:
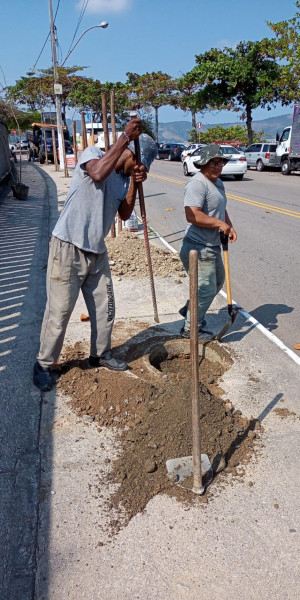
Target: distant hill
x,y
178,131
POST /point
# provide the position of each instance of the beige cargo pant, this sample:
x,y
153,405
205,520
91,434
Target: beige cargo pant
x,y
69,271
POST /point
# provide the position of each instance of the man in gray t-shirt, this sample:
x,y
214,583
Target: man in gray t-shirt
x,y
102,185
205,209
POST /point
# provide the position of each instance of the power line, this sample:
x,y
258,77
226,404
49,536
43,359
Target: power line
x,y
83,9
46,40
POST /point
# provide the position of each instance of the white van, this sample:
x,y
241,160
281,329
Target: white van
x,y
96,130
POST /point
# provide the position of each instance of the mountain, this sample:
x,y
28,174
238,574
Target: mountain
x,y
178,131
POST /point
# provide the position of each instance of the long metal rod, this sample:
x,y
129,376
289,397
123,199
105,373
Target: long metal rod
x,y
194,353
145,229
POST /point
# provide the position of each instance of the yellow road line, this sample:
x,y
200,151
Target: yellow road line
x,y
283,211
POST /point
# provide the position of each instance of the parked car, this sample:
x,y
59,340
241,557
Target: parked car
x,y
261,155
236,166
50,154
188,151
170,151
23,145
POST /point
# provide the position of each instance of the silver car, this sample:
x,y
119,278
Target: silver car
x,y
261,155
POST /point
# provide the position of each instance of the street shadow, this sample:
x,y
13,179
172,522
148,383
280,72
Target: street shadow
x,y
155,195
266,315
238,441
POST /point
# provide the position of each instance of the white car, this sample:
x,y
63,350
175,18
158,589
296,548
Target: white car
x,y
236,166
188,151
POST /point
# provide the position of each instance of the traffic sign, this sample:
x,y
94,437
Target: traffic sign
x,y
199,125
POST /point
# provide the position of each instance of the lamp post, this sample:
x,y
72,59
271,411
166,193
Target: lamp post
x,y
103,25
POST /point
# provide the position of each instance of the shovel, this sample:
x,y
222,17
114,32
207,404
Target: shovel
x,y
232,311
198,464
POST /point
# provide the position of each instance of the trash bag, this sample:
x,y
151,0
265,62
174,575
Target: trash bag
x,y
132,223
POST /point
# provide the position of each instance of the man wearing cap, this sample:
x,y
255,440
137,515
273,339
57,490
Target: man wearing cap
x,y
205,209
102,185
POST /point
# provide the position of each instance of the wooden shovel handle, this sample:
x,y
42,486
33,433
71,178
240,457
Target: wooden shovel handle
x,y
224,242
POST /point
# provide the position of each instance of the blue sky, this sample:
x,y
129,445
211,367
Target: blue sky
x,y
143,35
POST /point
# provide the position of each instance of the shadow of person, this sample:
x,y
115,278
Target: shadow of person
x,y
266,314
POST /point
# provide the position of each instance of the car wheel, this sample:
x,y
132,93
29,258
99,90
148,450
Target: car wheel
x,y
238,177
285,167
170,157
185,169
260,165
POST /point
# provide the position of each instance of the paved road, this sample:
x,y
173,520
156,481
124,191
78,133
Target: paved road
x,y
265,210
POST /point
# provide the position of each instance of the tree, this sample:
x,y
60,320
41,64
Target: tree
x,y
86,95
187,100
15,118
286,47
151,90
234,133
36,92
243,78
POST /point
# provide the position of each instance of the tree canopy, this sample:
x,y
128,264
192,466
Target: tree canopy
x,y
285,47
241,78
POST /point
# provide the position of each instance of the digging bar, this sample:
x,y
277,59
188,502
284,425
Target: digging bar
x,y
232,310
198,464
145,228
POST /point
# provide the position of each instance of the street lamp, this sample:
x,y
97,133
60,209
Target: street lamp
x,y
103,25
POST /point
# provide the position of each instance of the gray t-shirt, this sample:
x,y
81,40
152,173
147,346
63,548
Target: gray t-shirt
x,y
90,207
211,198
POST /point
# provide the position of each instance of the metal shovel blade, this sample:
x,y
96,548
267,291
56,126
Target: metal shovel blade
x,y
228,324
183,467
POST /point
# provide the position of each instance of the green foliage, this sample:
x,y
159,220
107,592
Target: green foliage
x,y
150,90
234,133
286,48
241,78
36,92
15,118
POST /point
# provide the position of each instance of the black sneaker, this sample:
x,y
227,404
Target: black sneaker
x,y
182,311
114,364
203,336
42,377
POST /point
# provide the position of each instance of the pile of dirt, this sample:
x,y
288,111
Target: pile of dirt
x,y
128,258
150,409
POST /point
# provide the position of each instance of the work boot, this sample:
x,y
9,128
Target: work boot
x,y
108,361
42,377
203,336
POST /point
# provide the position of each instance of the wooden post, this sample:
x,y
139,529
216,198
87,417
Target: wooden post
x,y
54,150
45,144
74,140
105,122
83,132
194,353
113,116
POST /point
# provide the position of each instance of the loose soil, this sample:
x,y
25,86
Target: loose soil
x,y
149,406
128,258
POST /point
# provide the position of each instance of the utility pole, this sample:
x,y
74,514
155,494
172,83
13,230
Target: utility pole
x,y
57,92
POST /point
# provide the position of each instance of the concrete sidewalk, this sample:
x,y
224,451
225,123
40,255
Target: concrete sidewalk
x,y
243,544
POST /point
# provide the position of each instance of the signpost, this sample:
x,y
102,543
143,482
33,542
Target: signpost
x,y
199,125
